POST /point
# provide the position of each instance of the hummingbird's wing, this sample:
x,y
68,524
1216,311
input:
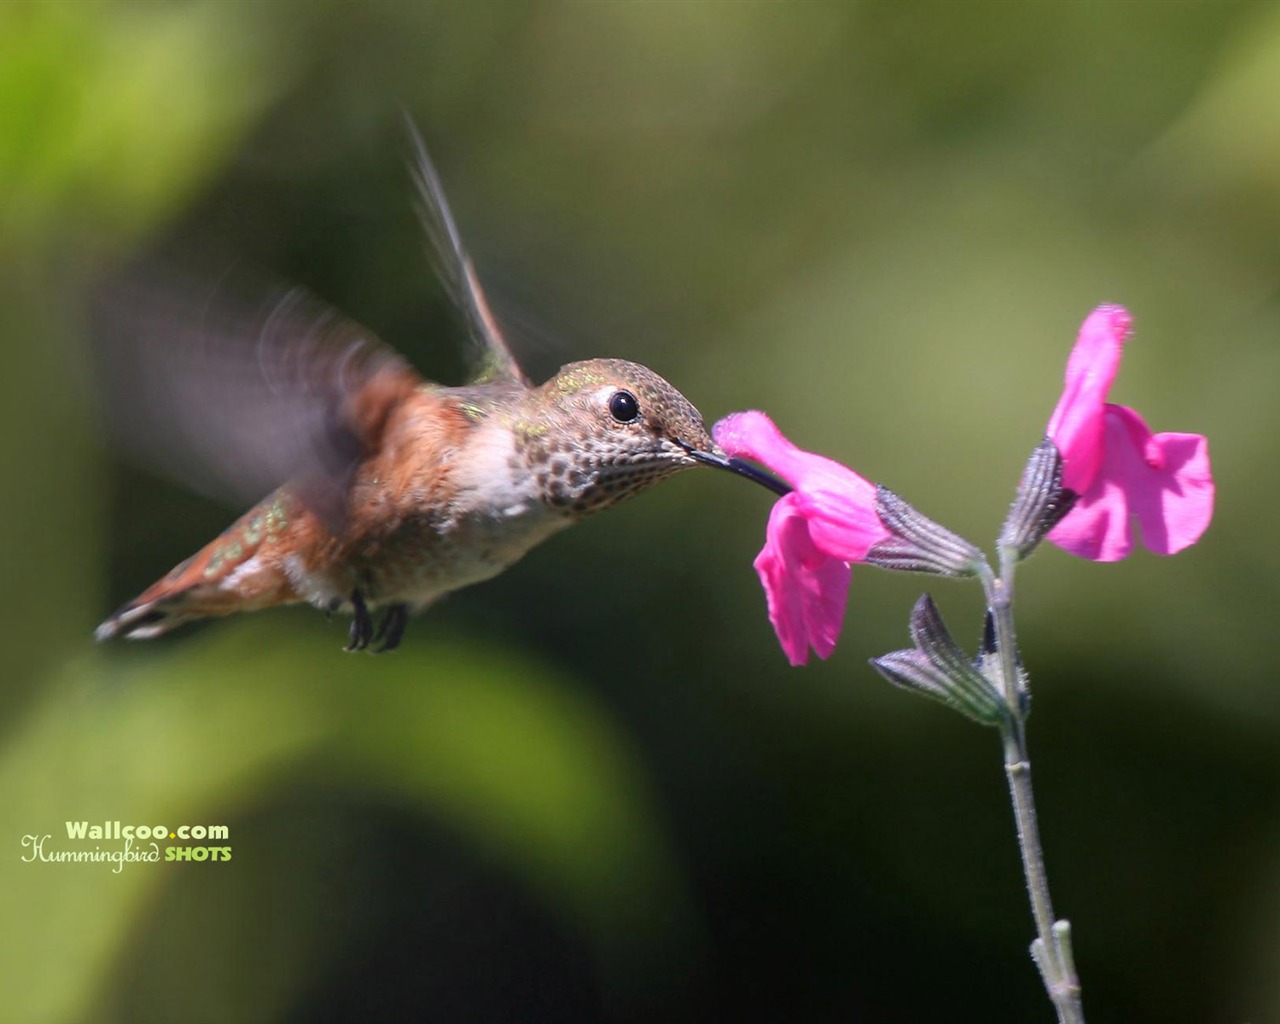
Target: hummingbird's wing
x,y
456,270
234,396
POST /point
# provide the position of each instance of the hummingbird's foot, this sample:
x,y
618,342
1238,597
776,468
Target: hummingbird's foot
x,y
361,624
391,628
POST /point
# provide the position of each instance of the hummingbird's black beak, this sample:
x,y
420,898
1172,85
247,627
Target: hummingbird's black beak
x,y
735,465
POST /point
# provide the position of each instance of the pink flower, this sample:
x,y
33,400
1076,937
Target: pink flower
x,y
814,532
1117,466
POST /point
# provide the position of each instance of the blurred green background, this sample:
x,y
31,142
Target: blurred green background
x,y
592,789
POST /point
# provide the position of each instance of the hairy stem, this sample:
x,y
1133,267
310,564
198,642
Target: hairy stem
x,y
1052,947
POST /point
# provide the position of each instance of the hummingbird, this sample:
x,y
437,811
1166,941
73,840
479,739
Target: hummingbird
x,y
384,490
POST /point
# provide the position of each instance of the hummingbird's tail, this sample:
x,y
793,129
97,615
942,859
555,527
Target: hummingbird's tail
x,y
232,573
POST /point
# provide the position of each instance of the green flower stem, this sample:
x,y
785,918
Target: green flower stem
x,y
1051,950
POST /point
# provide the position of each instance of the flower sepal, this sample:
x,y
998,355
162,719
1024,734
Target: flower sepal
x,y
989,664
1042,502
917,544
937,668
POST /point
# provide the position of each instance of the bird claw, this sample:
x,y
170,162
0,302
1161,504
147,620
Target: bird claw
x,y
361,624
391,628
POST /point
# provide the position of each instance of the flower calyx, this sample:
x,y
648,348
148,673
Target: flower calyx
x,y
918,544
1041,504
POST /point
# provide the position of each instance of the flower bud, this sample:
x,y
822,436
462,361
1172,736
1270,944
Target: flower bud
x,y
937,668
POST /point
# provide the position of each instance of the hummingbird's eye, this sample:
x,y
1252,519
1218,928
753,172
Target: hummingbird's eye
x,y
623,406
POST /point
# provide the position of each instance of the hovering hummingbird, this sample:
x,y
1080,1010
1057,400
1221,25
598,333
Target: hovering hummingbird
x,y
387,491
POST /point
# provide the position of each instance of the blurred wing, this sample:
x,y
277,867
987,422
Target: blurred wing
x,y
235,397
456,270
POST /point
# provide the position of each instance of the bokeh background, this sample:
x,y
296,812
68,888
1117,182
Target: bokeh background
x,y
592,790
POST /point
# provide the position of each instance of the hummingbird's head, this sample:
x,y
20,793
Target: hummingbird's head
x,y
606,429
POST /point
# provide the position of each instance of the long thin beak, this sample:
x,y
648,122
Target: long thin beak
x,y
735,465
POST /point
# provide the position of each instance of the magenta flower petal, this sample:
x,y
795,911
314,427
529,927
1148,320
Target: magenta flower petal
x,y
1122,471
805,590
842,525
1076,424
753,435
1162,480
839,504
814,532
